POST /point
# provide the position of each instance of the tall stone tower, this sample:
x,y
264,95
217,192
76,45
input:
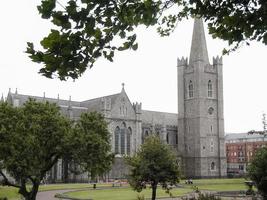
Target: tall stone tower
x,y
200,110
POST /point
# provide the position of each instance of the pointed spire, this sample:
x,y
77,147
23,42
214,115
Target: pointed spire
x,y
16,92
2,98
199,50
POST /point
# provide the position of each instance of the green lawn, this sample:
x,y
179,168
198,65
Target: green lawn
x,y
123,193
12,193
9,192
70,186
202,184
219,181
219,184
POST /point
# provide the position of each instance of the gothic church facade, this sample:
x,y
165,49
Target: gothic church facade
x,y
196,132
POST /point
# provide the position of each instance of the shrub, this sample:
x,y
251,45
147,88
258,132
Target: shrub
x,y
202,196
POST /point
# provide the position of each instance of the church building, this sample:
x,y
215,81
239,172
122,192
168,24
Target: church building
x,y
196,133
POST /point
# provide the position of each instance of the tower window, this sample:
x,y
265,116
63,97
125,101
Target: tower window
x,y
209,88
190,89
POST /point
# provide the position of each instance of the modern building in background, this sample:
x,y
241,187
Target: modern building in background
x,y
240,149
196,133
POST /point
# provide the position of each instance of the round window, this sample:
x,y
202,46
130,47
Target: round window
x,y
210,110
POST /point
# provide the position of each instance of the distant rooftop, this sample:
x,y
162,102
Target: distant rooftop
x,y
231,137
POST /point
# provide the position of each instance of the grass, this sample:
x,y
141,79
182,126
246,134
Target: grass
x,y
219,184
10,192
203,184
123,193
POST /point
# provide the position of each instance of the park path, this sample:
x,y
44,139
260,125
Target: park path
x,y
50,195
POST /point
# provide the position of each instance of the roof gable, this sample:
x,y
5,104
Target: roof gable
x,y
122,107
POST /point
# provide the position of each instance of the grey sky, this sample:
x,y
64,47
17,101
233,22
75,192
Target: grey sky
x,y
149,73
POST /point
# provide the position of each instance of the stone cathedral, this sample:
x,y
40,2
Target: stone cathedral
x,y
196,132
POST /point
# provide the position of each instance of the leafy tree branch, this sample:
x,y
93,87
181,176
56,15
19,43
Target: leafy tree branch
x,y
87,30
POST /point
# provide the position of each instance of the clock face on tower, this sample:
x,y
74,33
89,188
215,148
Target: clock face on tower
x,y
210,110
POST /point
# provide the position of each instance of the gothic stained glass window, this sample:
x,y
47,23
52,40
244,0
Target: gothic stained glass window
x,y
117,136
129,134
190,89
209,88
123,132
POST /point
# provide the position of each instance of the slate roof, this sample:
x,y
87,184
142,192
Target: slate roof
x,y
96,104
155,117
64,105
23,98
238,136
150,117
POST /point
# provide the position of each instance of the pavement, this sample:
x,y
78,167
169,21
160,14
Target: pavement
x,y
50,195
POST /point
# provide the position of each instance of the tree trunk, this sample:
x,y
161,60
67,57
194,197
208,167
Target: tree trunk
x,y
154,191
32,194
34,191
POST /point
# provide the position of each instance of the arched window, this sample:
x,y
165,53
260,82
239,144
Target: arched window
x,y
167,138
209,88
190,89
123,133
117,137
129,134
146,133
212,166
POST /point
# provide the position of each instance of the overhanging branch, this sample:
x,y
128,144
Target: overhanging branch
x,y
6,181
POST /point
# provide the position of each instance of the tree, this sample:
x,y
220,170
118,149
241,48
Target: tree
x,y
86,30
31,141
154,163
91,140
257,171
33,137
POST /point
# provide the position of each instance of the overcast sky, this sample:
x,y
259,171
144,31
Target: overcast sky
x,y
149,74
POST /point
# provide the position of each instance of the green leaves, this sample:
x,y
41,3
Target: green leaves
x,y
46,8
33,137
90,144
257,170
88,29
154,163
